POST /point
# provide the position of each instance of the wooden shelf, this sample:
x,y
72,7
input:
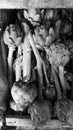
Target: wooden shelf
x,y
26,123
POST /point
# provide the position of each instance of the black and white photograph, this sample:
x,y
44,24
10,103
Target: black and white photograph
x,y
36,65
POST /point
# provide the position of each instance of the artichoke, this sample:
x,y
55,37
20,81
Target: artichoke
x,y
23,93
64,110
40,111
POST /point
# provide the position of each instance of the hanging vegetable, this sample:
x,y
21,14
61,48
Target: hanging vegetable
x,y
23,91
26,55
63,106
23,94
11,39
40,109
58,56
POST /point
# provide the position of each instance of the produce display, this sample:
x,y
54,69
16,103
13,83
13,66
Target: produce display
x,y
39,52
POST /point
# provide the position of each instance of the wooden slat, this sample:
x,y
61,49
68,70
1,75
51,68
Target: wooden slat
x,y
26,123
68,3
11,4
30,3
45,3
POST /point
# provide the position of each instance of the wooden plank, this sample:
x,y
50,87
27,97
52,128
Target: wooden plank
x,y
45,3
68,3
27,123
30,3
13,4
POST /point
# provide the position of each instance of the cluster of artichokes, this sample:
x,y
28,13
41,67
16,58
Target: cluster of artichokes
x,y
39,51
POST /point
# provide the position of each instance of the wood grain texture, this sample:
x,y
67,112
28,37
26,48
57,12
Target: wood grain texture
x,y
26,123
35,4
68,3
45,3
13,4
31,3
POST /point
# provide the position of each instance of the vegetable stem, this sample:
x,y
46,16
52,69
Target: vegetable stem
x,y
18,72
19,50
62,80
18,65
57,85
45,73
26,60
10,61
39,63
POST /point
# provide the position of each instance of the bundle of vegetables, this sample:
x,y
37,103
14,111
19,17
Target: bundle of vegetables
x,y
6,17
40,109
40,37
49,88
58,56
41,31
26,90
12,38
44,33
63,106
44,38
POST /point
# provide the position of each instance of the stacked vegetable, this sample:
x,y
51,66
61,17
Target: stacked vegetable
x,y
41,55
